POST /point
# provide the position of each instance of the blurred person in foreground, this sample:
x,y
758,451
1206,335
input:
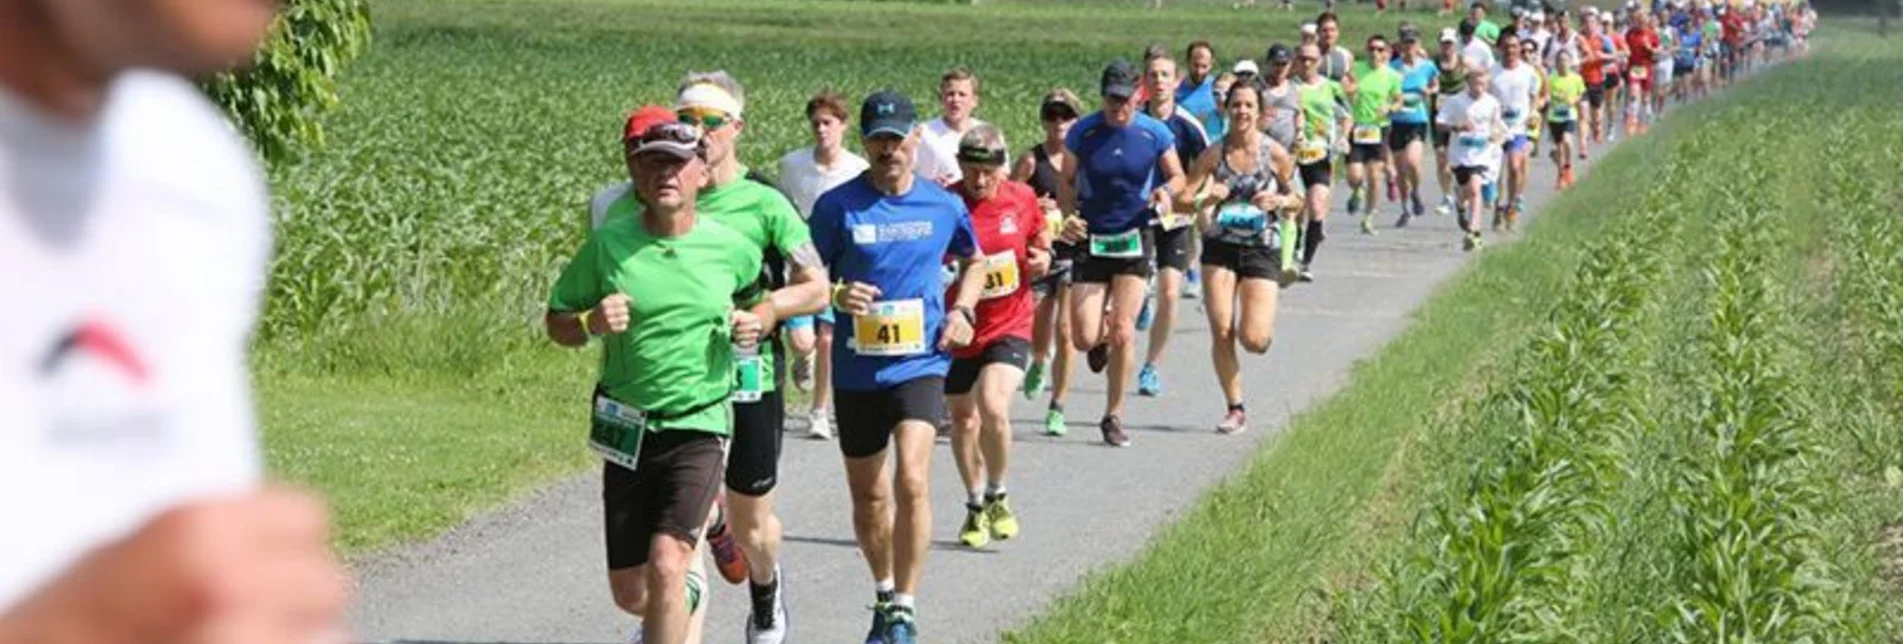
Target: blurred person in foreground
x,y
135,222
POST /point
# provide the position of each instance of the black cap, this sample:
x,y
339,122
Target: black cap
x,y
1467,28
887,112
1279,54
1119,80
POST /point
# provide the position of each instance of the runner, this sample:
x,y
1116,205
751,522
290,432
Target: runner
x,y
1338,62
1322,113
1517,86
1479,132
1175,235
1310,35
805,174
1197,94
1281,103
1474,51
1643,43
886,237
1379,95
135,248
661,416
1687,82
1248,176
938,138
1536,121
1126,170
1040,168
1452,67
1407,134
1596,60
1486,31
985,374
1567,88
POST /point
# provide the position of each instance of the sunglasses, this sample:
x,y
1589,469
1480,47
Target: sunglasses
x,y
704,119
1378,49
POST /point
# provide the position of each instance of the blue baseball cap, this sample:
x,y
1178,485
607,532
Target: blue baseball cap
x,y
887,112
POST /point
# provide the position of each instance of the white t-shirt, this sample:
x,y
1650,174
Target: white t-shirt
x,y
1471,149
804,181
938,150
1516,88
1478,53
133,253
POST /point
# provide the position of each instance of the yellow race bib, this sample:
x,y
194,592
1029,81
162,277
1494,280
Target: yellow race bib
x,y
1001,275
1367,134
895,328
1311,152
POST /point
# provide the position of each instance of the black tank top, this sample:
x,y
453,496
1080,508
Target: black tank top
x,y
1044,176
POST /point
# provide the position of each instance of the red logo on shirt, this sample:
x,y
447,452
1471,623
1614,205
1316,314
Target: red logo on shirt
x,y
102,340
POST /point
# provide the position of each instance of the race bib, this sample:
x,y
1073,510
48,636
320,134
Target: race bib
x,y
615,431
1242,217
1639,73
1311,152
1412,100
1473,141
1511,115
1001,275
1054,221
1366,134
895,328
748,378
1562,112
1175,221
1122,245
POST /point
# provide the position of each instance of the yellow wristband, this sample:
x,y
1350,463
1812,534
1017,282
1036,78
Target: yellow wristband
x,y
586,317
838,289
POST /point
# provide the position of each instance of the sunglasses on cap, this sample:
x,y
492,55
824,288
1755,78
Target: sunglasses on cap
x,y
704,118
1056,113
980,156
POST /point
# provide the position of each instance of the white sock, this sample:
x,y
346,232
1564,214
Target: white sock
x,y
884,586
903,600
994,490
974,498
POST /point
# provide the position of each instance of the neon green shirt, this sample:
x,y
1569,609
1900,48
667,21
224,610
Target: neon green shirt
x,y
1319,104
676,358
1566,90
1376,90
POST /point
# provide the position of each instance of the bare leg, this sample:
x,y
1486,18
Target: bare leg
x,y
1127,294
912,532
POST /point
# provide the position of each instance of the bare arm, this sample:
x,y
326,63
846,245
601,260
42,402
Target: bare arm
x,y
565,329
1067,188
1026,166
806,290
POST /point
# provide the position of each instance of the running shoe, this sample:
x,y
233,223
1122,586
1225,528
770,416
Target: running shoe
x,y
728,557
900,626
1192,283
1401,222
976,533
1233,423
1148,382
1367,224
768,623
1446,206
640,635
1304,274
1054,423
1113,435
1034,380
1420,208
819,426
1098,357
1004,522
1354,200
1145,316
1473,241
879,623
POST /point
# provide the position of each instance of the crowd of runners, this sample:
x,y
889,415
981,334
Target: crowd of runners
x,y
920,289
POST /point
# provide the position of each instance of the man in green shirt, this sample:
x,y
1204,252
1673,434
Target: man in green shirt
x,y
1483,29
660,290
1322,103
1377,94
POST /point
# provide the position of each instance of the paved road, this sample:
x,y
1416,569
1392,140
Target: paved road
x,y
532,573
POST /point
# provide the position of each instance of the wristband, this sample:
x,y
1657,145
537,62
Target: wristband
x,y
587,317
838,290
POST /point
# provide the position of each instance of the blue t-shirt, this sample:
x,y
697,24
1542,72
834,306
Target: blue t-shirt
x,y
1200,101
1689,42
1414,83
1191,140
1117,169
897,244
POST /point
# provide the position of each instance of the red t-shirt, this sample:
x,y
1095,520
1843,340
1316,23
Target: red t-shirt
x,y
1643,43
1007,225
1595,55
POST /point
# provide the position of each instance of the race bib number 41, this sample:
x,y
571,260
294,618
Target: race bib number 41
x,y
1001,275
895,328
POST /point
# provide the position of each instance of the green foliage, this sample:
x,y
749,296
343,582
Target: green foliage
x,y
292,80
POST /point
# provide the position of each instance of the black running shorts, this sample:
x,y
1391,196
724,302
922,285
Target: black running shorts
x,y
1247,262
1009,350
868,418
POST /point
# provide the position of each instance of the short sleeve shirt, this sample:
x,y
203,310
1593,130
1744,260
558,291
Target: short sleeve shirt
x,y
1375,91
1117,169
1415,80
897,243
1005,224
1566,90
676,358
1319,101
1203,104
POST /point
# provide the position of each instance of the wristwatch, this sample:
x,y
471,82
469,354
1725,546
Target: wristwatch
x,y
971,316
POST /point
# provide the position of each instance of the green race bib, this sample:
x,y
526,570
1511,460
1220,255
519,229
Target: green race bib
x,y
748,378
1122,245
616,430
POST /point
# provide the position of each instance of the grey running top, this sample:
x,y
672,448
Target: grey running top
x,y
1257,228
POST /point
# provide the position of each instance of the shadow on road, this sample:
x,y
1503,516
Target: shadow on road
x,y
941,544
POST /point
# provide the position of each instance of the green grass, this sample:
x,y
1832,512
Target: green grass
x,y
1673,440
400,362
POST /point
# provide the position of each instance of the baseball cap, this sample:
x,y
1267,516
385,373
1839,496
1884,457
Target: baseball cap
x,y
675,139
1060,99
647,117
1246,66
1409,33
1279,54
1309,29
1449,35
887,112
1119,80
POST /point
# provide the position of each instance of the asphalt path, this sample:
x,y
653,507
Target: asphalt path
x,y
532,573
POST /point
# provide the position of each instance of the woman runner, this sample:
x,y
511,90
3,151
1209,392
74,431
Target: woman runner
x,y
1042,168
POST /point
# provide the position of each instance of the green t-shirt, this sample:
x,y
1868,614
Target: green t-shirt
x,y
1566,90
1453,76
677,355
1487,31
1376,90
1319,104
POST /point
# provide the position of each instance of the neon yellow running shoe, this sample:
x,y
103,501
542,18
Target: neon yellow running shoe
x,y
977,530
1004,523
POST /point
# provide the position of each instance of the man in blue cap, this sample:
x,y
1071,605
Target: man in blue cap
x,y
885,236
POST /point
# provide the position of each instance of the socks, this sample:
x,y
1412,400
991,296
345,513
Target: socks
x,y
1287,227
902,600
1312,242
974,499
1238,408
1057,406
884,591
994,491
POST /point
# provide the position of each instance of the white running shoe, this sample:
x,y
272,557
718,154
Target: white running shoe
x,y
819,427
767,623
